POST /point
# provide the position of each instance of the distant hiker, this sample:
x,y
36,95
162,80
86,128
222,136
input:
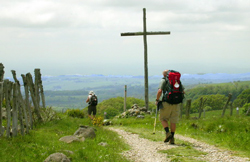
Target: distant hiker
x,y
92,101
173,94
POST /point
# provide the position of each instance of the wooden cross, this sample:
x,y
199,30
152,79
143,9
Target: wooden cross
x,y
145,33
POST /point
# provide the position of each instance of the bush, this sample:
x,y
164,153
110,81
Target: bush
x,y
76,113
111,112
98,121
245,108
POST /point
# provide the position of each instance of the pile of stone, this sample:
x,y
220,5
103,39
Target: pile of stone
x,y
136,111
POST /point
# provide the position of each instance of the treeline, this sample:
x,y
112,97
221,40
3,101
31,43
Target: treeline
x,y
77,98
235,88
216,95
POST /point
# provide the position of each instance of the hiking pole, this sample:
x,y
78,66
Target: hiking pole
x,y
155,119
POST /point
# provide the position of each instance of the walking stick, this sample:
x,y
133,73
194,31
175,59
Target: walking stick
x,y
159,106
155,119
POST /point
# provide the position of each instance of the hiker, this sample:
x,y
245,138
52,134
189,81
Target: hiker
x,y
170,108
92,101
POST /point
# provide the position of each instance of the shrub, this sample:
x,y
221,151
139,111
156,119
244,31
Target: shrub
x,y
245,108
76,113
98,121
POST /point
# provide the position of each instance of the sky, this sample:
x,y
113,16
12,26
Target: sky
x,y
83,37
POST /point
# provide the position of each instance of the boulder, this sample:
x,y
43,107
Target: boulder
x,y
69,139
140,116
103,144
107,122
57,157
86,132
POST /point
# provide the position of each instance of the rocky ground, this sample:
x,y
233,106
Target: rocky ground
x,y
143,150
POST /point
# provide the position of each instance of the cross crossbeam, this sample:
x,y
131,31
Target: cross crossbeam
x,y
142,33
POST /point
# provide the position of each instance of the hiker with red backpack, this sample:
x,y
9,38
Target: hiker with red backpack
x,y
92,101
173,95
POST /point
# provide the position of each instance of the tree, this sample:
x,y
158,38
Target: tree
x,y
111,112
243,98
216,102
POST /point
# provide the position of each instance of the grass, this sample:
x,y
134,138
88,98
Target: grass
x,y
230,132
186,153
44,140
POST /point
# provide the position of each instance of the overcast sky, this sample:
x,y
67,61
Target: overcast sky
x,y
83,36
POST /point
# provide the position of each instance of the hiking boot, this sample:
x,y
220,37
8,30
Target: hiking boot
x,y
171,141
168,137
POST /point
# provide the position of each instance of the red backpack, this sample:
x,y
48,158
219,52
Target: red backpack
x,y
174,93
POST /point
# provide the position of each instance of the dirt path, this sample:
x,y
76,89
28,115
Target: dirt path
x,y
143,150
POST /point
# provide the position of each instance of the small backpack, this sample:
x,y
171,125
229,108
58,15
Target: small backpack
x,y
93,100
174,93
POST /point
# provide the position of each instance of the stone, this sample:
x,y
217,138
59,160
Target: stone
x,y
106,122
103,144
140,116
57,157
86,132
69,139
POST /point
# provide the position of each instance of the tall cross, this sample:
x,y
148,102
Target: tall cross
x,y
145,33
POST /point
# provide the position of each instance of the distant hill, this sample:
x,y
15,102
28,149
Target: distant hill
x,y
70,91
87,82
77,82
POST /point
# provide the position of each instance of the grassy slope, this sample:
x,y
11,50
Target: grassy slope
x,y
230,132
44,140
227,132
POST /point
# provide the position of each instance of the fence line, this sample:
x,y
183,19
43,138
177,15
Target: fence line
x,y
18,110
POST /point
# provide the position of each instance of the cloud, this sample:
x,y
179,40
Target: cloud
x,y
74,34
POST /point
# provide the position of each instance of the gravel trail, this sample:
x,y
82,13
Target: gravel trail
x,y
144,150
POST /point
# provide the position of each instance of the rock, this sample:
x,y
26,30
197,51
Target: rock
x,y
86,132
143,109
68,152
107,122
103,144
135,106
69,139
57,157
135,111
82,139
140,116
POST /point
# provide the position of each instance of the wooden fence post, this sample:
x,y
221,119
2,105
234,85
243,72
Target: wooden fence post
x,y
248,111
7,88
231,108
125,98
33,97
40,86
188,106
20,105
225,107
27,103
202,103
36,87
181,109
200,108
1,97
14,111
